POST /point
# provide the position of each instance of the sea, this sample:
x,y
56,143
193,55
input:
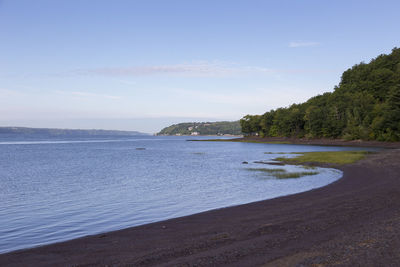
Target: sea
x,y
57,188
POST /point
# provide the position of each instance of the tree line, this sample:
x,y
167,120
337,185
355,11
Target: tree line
x,y
365,105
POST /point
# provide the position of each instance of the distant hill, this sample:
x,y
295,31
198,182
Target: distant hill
x,y
365,105
65,132
203,128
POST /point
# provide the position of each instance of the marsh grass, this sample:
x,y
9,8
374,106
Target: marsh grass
x,y
282,173
239,141
211,140
306,167
332,157
283,153
266,170
288,175
270,142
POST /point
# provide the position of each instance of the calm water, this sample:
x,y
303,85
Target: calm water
x,y
54,189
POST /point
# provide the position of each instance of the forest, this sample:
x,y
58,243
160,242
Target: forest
x,y
365,105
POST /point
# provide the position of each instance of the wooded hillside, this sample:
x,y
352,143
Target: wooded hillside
x,y
365,105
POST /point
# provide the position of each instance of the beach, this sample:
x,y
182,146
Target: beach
x,y
354,221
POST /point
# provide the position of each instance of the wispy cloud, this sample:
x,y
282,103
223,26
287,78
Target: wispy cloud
x,y
303,44
126,82
87,94
277,97
10,93
197,69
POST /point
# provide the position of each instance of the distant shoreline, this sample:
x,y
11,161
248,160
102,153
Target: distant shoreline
x,y
62,131
354,221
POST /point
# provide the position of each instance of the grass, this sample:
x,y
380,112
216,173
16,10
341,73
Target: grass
x,y
269,142
309,167
240,141
283,153
210,140
282,173
276,163
288,175
332,157
266,170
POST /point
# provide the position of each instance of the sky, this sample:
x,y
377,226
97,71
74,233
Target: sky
x,y
143,65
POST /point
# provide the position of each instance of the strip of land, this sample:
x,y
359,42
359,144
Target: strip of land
x,y
354,221
305,141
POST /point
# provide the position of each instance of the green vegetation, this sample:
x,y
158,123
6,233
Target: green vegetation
x,y
289,175
266,170
242,141
282,173
264,142
203,128
213,140
309,167
365,105
333,157
283,152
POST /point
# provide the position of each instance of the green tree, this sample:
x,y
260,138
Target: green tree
x,y
365,105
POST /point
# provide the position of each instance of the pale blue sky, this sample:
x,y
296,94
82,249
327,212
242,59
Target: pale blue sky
x,y
142,65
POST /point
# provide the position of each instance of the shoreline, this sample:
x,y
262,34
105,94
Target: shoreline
x,y
351,221
305,141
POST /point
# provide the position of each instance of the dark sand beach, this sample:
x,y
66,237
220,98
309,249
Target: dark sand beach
x,y
354,221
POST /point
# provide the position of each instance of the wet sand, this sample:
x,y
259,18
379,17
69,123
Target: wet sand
x,y
354,221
